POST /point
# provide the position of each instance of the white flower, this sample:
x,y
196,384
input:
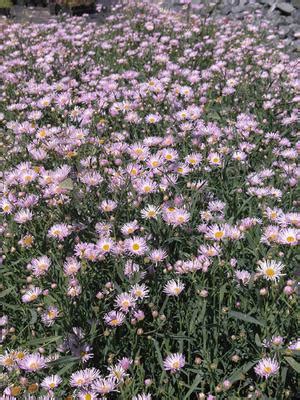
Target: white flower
x,y
270,269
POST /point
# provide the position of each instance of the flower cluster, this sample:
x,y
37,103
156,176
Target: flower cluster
x,y
148,208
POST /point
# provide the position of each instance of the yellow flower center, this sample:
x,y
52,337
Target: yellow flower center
x,y
42,133
106,247
15,391
176,364
216,160
155,163
8,362
290,239
87,396
219,234
169,156
27,178
273,236
136,246
267,369
71,154
270,272
6,208
114,322
147,189
52,385
51,314
28,240
33,365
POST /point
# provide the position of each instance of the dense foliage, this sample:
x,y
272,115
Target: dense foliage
x,y
149,209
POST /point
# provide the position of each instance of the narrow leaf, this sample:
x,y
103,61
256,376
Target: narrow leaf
x,y
196,382
236,376
293,363
6,292
246,318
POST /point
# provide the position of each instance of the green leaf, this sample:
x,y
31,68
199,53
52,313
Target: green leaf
x,y
222,293
293,363
196,382
11,306
6,292
246,318
158,353
236,376
44,340
66,368
66,184
257,340
34,316
64,360
283,375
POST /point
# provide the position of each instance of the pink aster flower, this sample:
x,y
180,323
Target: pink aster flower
x,y
267,367
142,396
289,236
136,246
71,266
153,118
125,301
108,205
59,231
158,255
22,216
174,362
84,377
104,385
40,266
114,318
51,382
32,362
31,294
139,291
49,316
173,288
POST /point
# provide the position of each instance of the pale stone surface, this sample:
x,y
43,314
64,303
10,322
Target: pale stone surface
x,y
285,7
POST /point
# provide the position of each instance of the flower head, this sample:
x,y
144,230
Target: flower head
x,y
270,269
267,367
174,362
173,288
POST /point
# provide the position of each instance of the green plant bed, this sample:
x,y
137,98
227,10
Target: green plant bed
x,y
5,4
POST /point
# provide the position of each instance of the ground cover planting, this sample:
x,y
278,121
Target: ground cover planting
x,y
149,209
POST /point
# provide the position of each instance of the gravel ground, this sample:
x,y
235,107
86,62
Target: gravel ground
x,y
283,16
41,15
